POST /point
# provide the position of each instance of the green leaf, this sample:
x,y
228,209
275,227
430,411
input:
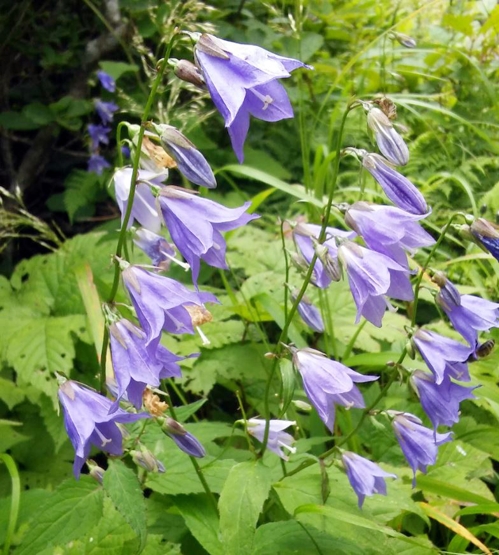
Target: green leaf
x,y
122,486
10,393
38,113
69,513
241,502
201,519
288,381
17,121
183,413
117,69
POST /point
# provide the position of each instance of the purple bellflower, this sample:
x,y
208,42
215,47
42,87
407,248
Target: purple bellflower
x,y
310,314
440,401
137,365
388,229
156,247
365,477
99,134
88,422
396,187
184,439
196,225
326,267
443,356
371,276
106,81
390,143
105,110
486,235
467,313
418,443
162,303
190,162
278,439
404,40
97,164
328,383
243,80
144,203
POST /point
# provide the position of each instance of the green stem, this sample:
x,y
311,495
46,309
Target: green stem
x,y
206,487
131,196
306,281
15,502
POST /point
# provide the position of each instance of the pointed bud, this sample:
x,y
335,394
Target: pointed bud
x,y
404,40
187,71
184,440
330,264
486,235
390,143
95,471
147,460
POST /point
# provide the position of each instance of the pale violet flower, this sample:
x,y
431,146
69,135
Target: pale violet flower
x,y
390,143
185,440
278,439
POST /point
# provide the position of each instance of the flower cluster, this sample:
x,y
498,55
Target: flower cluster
x,y
99,132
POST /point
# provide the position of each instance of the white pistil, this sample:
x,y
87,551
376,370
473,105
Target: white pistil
x,y
205,340
267,99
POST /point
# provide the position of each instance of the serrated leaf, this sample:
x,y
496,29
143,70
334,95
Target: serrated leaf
x,y
10,393
53,422
202,520
122,486
241,502
69,513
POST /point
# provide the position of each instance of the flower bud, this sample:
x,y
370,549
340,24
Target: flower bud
x,y
404,40
187,71
390,143
95,471
330,264
184,440
486,235
147,460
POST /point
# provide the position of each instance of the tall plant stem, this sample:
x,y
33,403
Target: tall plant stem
x,y
15,500
131,196
308,276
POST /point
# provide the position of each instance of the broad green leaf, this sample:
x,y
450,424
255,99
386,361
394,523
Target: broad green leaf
x,y
183,413
201,519
241,502
10,393
69,513
122,486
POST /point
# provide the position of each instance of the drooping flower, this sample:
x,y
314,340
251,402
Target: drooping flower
x,y
311,314
486,235
196,225
137,365
328,383
440,401
106,81
418,443
390,143
365,477
99,134
388,229
396,187
184,439
162,303
371,276
443,356
326,268
105,110
468,314
97,164
147,460
144,203
278,439
243,79
190,161
156,247
88,422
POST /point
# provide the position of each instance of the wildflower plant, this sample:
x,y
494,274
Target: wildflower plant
x,y
299,437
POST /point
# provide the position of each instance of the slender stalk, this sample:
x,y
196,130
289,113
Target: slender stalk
x,y
15,501
306,281
206,487
131,196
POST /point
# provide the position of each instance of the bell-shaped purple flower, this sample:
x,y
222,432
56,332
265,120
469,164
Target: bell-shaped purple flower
x,y
106,81
136,364
326,267
310,314
328,383
156,247
97,164
440,401
144,203
365,477
388,229
390,143
105,110
486,235
419,444
371,276
99,134
278,439
396,187
88,422
243,80
196,225
190,161
184,439
468,314
443,356
162,303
